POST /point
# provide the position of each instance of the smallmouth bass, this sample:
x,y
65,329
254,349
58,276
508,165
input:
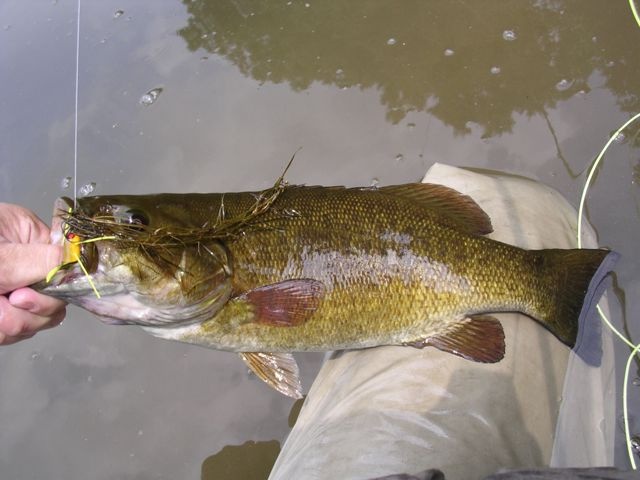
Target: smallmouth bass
x,y
297,268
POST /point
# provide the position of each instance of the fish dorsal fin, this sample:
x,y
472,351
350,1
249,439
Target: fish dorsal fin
x,y
458,210
479,338
278,370
286,304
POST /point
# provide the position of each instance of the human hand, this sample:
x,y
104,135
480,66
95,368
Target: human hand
x,y
26,256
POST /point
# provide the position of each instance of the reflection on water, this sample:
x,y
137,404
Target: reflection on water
x,y
442,57
250,461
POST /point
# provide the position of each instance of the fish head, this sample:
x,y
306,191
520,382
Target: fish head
x,y
122,263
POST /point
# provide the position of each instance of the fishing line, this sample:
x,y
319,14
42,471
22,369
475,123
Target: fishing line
x,y
635,12
75,129
635,349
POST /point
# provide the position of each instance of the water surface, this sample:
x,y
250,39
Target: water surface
x,y
217,95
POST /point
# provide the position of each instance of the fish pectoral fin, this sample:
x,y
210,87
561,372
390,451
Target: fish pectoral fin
x,y
278,370
479,338
455,208
287,304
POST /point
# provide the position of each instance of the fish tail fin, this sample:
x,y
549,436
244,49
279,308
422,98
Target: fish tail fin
x,y
577,283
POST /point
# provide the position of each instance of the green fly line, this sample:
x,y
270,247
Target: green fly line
x,y
634,10
634,348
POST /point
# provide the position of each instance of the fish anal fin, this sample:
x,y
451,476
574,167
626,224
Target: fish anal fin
x,y
278,370
287,304
455,208
479,338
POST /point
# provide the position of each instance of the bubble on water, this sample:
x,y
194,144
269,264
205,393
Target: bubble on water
x,y
399,157
87,189
35,355
610,63
564,84
151,96
375,181
619,138
307,5
411,125
65,182
635,444
636,382
391,41
90,378
103,41
118,13
509,35
495,70
448,52
115,125
140,433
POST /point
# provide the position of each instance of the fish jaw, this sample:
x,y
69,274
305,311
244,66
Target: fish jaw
x,y
113,297
96,293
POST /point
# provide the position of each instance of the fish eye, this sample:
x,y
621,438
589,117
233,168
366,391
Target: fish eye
x,y
129,216
136,217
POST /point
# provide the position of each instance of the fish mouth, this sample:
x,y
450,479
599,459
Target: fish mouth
x,y
71,282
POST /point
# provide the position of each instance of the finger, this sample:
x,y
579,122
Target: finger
x,y
20,225
36,303
19,323
24,264
6,340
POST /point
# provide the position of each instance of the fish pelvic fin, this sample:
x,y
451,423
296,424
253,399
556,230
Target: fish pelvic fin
x,y
452,207
479,338
580,278
278,370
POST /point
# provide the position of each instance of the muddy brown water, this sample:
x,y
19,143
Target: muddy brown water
x,y
373,92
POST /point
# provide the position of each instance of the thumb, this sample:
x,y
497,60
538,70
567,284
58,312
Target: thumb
x,y
22,264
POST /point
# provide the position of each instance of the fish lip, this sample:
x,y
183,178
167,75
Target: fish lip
x,y
72,282
77,286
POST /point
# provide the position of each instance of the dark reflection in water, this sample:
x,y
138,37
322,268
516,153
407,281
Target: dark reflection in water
x,y
250,461
442,57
